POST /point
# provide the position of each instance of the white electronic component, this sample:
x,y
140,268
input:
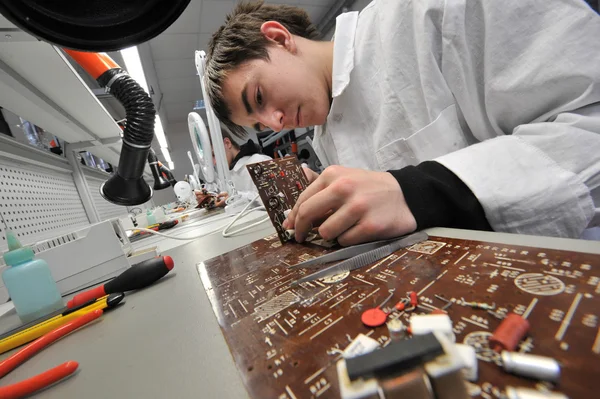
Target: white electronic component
x,y
359,388
447,363
359,346
469,357
445,371
423,324
83,257
528,393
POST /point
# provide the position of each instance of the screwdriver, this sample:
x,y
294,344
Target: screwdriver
x,y
136,277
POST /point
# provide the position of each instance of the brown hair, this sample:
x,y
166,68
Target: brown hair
x,y
226,135
240,40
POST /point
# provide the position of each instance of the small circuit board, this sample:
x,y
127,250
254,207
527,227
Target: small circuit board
x,y
279,183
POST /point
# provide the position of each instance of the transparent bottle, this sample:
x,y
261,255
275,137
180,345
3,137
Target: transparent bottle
x,y
29,282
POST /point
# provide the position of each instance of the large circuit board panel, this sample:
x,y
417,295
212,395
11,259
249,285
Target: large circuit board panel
x,y
286,340
279,183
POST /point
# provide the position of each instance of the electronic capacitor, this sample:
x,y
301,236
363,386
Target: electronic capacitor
x,y
397,329
414,301
532,366
509,333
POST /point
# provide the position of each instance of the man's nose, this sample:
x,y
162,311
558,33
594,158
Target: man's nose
x,y
274,120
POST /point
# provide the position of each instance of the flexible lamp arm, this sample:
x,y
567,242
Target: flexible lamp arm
x,y
127,186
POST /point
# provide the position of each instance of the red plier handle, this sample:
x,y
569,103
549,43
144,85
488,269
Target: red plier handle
x,y
30,385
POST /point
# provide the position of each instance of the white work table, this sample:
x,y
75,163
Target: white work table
x,y
164,341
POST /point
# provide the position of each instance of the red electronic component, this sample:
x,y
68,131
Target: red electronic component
x,y
509,333
299,185
400,306
414,301
282,173
272,175
373,317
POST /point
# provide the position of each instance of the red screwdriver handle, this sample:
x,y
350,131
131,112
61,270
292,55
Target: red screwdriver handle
x,y
86,296
136,277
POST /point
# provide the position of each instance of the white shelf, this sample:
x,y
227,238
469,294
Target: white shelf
x,y
40,85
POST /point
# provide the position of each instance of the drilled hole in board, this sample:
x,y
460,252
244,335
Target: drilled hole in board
x,y
250,368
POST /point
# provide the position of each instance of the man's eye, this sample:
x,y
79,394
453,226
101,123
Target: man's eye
x,y
259,98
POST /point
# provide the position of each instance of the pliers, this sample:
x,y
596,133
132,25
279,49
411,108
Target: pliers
x,y
33,384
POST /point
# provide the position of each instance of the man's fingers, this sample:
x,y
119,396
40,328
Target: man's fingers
x,y
310,174
340,221
356,235
317,186
313,210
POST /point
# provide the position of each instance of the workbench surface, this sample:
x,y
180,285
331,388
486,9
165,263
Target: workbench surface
x,y
165,341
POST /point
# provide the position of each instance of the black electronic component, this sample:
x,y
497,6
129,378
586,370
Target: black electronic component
x,y
397,356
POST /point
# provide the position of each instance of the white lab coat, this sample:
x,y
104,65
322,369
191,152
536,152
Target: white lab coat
x,y
505,95
241,177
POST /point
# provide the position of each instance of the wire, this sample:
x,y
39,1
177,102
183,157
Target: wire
x,y
224,227
226,234
179,238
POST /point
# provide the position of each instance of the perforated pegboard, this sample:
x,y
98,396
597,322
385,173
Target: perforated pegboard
x,y
37,202
105,209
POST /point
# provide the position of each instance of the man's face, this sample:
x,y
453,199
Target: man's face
x,y
282,93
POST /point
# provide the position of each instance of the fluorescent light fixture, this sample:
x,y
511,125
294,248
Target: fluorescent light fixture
x,y
171,166
133,65
159,132
165,152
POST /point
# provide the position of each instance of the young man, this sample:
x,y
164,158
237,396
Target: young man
x,y
486,115
237,159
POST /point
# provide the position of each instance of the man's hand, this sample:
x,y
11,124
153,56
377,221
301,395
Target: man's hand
x,y
356,206
203,198
221,198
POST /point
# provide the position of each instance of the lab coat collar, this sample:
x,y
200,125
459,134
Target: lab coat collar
x,y
343,51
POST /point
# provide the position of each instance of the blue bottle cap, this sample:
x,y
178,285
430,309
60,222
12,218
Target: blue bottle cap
x,y
16,252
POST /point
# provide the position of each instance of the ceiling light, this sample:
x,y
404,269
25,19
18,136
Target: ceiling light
x,y
133,65
166,155
159,132
171,166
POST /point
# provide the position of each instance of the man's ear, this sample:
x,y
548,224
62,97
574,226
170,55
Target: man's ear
x,y
227,142
278,34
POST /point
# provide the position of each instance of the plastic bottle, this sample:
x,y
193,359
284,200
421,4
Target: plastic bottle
x,y
150,217
159,215
29,282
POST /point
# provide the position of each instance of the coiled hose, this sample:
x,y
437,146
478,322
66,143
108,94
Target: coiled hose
x,y
126,186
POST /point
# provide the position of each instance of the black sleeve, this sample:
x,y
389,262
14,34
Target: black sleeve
x,y
438,198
